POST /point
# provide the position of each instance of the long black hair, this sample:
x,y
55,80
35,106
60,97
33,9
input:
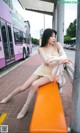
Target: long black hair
x,y
46,35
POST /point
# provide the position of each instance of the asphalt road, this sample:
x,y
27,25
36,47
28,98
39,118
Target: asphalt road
x,y
70,54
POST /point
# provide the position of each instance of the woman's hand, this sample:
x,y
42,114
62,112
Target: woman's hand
x,y
64,61
54,62
47,62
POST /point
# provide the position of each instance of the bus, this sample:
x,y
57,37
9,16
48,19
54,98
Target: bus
x,y
15,37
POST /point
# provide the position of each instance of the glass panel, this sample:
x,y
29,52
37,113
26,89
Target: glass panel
x,y
18,36
4,38
9,3
0,30
10,41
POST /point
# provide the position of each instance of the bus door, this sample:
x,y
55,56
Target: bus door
x,y
10,42
7,42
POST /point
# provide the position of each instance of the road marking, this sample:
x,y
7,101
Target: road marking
x,y
3,117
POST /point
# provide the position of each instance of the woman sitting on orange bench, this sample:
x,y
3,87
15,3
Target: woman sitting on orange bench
x,y
53,57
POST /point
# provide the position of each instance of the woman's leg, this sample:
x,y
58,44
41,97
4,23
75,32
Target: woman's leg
x,y
21,88
35,85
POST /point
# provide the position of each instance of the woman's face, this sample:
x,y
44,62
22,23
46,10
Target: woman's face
x,y
52,39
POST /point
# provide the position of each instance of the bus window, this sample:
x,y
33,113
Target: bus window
x,y
18,36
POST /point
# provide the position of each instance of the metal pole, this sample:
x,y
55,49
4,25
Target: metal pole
x,y
60,22
75,125
54,24
44,21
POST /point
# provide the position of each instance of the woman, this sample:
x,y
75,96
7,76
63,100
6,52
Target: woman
x,y
53,56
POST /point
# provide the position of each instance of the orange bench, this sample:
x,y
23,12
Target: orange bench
x,y
48,115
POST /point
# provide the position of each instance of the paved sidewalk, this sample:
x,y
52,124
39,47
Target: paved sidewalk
x,y
15,78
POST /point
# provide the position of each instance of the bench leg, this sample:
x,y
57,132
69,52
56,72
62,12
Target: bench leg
x,y
26,105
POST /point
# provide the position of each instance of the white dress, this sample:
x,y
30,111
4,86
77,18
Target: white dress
x,y
54,72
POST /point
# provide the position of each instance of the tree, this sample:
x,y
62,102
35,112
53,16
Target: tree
x,y
67,39
35,41
71,31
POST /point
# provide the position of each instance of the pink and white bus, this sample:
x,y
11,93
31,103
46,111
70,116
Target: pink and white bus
x,y
14,36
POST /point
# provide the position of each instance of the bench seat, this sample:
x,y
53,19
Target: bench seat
x,y
48,115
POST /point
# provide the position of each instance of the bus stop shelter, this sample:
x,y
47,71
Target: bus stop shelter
x,y
49,7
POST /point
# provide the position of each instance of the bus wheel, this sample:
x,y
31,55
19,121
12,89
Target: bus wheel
x,y
24,54
28,52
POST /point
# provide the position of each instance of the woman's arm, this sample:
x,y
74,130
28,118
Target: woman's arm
x,y
61,59
61,52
